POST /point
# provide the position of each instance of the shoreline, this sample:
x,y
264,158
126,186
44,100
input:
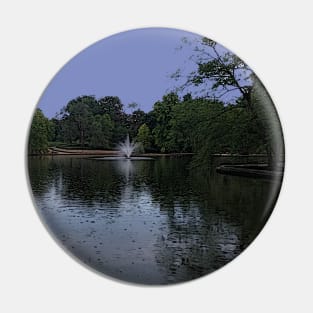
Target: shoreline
x,y
98,152
248,165
53,151
250,170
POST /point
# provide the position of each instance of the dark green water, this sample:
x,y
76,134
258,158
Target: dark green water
x,y
149,221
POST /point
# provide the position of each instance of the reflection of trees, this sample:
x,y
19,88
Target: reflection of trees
x,y
170,182
76,179
42,174
86,180
193,247
211,217
245,202
90,182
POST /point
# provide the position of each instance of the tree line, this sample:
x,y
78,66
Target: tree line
x,y
174,125
204,124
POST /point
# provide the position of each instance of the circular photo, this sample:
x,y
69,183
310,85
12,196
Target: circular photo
x,y
155,156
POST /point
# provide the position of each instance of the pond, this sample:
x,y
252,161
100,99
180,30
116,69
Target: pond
x,y
149,221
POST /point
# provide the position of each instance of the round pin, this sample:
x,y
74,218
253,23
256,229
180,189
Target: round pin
x,y
155,156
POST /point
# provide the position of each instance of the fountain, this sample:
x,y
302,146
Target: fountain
x,y
126,148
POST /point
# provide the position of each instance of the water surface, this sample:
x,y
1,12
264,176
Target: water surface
x,y
149,221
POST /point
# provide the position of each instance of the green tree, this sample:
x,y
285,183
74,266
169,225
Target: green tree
x,y
226,77
163,111
52,130
78,115
114,108
144,136
187,119
134,121
222,74
100,132
68,130
133,106
227,130
38,136
268,120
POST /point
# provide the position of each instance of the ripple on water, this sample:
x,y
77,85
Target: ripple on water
x,y
152,225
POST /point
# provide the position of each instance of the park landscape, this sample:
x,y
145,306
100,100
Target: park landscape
x,y
164,193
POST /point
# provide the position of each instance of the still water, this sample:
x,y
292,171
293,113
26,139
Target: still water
x,y
149,221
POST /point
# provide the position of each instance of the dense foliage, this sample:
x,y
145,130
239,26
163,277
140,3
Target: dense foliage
x,y
38,135
199,125
204,124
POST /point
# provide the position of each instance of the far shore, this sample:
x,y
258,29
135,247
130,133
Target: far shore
x,y
248,165
54,151
91,152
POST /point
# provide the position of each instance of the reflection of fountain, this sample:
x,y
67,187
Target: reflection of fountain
x,y
125,167
127,147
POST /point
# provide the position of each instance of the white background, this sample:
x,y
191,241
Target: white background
x,y
274,38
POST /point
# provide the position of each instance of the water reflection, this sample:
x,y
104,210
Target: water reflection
x,y
124,167
152,222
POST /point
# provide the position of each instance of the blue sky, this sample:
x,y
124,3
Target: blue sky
x,y
133,65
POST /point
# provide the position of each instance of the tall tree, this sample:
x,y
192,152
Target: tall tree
x,y
228,78
144,136
185,133
134,121
269,124
163,111
38,136
223,75
79,115
100,132
114,108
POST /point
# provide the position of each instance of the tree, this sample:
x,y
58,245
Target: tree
x,y
228,78
269,121
55,130
134,121
144,136
187,131
114,108
163,114
133,106
78,114
38,136
100,132
92,122
227,129
224,75
69,132
52,130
